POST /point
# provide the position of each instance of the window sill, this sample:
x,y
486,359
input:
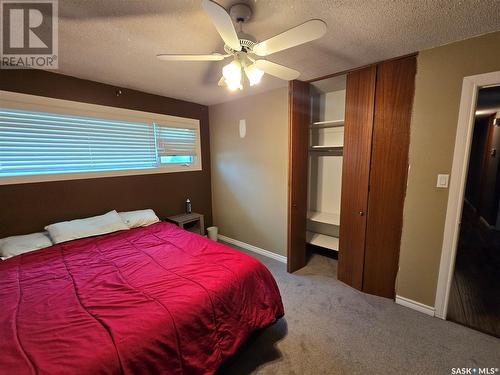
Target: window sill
x,y
11,180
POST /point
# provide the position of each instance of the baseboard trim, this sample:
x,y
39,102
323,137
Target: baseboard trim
x,y
253,248
428,310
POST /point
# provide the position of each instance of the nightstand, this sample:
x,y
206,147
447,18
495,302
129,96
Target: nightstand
x,y
192,222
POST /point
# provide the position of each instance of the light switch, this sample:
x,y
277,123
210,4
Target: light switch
x,y
442,181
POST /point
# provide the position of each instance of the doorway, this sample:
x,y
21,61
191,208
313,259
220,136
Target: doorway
x,y
469,295
475,287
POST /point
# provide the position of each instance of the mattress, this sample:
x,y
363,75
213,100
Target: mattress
x,y
154,300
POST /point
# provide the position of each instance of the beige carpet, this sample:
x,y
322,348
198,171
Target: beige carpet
x,y
330,328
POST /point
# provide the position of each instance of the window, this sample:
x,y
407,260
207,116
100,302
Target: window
x,y
176,159
46,145
176,145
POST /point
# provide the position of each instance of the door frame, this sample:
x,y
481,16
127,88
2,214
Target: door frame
x,y
299,118
463,140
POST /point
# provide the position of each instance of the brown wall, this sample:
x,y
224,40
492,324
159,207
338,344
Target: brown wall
x,y
438,85
26,208
250,174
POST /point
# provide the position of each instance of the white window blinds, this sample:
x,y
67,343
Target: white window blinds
x,y
34,143
176,141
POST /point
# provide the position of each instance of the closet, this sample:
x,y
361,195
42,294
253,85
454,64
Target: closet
x,y
355,165
326,145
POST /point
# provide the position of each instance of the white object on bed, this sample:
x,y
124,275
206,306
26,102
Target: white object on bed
x,y
80,228
16,245
139,218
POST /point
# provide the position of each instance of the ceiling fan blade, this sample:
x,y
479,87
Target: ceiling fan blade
x,y
277,70
301,34
212,57
223,23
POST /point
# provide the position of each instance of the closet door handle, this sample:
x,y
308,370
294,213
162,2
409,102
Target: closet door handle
x,y
361,213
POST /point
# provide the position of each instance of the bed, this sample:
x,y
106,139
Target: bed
x,y
153,300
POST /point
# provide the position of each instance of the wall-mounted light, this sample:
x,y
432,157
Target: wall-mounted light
x,y
243,128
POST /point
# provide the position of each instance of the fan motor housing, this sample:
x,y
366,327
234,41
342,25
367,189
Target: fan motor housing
x,y
240,12
246,46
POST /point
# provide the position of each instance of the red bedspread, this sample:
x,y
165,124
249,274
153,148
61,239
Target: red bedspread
x,y
155,300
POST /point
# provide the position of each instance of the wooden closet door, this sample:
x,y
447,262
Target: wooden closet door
x,y
389,168
299,117
360,97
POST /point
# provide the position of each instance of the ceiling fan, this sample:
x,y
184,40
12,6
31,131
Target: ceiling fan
x,y
245,49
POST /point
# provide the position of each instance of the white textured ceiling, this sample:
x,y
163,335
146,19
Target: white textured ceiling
x,y
115,41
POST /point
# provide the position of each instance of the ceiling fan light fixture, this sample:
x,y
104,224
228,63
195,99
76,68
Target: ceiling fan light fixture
x,y
244,49
232,75
253,74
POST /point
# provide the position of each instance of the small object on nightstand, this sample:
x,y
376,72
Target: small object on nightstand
x,y
188,206
192,222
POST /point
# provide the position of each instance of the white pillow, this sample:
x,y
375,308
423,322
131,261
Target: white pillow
x,y
139,218
16,245
80,228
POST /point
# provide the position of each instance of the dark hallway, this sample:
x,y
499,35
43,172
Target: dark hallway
x,y
475,289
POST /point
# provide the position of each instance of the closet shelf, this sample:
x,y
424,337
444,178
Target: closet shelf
x,y
331,150
322,240
317,127
329,124
324,217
